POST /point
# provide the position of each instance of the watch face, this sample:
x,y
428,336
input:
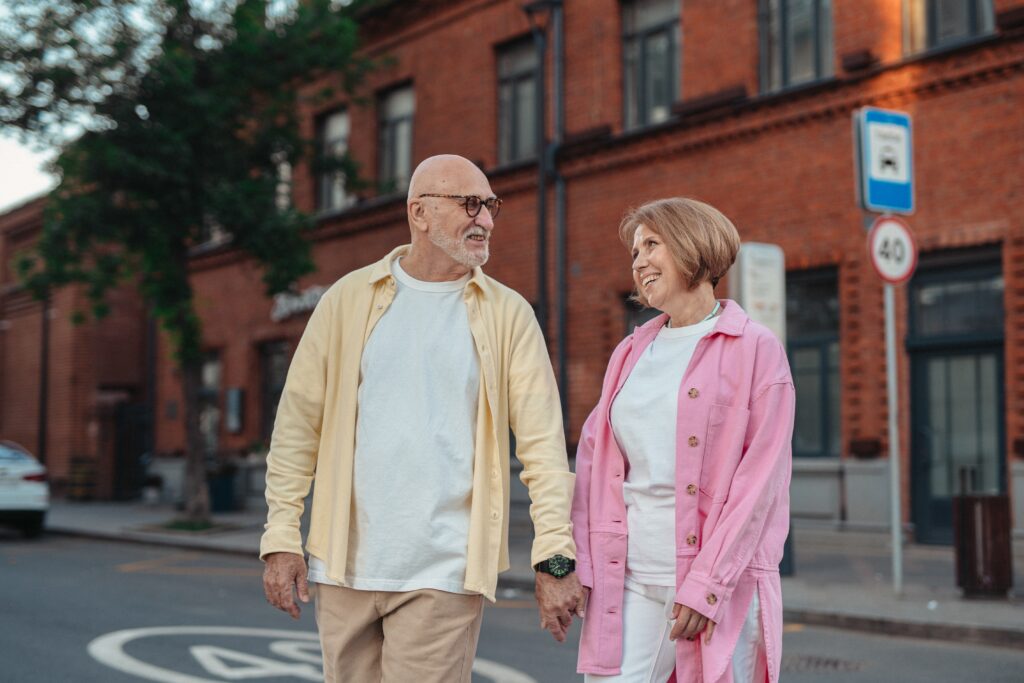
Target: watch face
x,y
559,566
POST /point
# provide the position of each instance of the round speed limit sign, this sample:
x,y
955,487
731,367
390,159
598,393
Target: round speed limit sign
x,y
893,250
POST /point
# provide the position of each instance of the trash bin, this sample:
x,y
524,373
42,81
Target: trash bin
x,y
981,539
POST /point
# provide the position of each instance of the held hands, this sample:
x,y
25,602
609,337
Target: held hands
x,y
283,574
690,623
558,600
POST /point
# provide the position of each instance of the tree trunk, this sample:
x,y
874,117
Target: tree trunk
x,y
197,495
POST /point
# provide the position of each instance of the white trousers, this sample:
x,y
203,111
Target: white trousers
x,y
648,656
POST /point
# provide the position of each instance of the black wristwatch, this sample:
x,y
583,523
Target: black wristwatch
x,y
558,566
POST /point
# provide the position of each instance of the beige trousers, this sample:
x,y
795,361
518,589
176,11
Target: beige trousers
x,y
427,636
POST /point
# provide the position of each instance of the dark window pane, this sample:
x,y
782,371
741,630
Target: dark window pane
x,y
650,60
636,315
505,102
807,430
973,306
630,79
641,15
275,356
526,119
773,44
834,405
812,331
812,305
800,41
936,23
658,77
952,20
517,93
334,133
209,402
796,39
397,109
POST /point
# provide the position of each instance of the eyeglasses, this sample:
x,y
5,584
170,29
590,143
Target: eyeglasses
x,y
472,204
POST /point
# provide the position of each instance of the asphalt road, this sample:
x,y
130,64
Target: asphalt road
x,y
91,611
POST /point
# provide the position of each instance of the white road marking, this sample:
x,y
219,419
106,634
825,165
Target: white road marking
x,y
299,646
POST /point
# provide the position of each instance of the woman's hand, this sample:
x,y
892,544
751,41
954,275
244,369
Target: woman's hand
x,y
581,606
690,623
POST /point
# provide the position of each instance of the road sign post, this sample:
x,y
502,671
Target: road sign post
x,y
894,256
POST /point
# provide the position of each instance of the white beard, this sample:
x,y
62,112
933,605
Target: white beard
x,y
456,249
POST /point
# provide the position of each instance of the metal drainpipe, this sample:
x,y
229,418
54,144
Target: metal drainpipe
x,y
561,283
44,380
540,41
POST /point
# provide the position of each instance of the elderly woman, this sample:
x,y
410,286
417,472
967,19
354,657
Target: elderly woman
x,y
681,505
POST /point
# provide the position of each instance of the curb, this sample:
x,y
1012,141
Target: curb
x,y
149,539
961,633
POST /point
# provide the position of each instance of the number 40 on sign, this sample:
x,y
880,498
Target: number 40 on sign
x,y
893,250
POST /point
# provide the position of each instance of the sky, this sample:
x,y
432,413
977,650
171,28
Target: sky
x,y
21,175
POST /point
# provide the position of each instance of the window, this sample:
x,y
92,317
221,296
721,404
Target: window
x,y
209,402
812,331
283,186
939,23
637,315
796,42
333,135
517,102
394,166
273,369
651,48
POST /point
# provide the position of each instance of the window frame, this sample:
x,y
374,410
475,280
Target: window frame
x,y
208,396
823,68
516,78
268,400
673,27
976,28
386,128
325,180
823,342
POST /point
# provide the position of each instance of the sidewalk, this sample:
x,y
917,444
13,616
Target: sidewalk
x,y
842,578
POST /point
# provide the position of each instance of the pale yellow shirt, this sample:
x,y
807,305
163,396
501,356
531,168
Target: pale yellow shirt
x,y
314,433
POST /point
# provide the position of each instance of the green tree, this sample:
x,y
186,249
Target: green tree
x,y
174,121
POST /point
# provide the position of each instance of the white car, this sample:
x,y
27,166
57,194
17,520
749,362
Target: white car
x,y
24,490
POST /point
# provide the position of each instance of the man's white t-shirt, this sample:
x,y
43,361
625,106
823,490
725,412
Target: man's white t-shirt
x,y
644,416
415,439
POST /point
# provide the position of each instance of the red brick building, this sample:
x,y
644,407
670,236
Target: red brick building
x,y
74,395
746,104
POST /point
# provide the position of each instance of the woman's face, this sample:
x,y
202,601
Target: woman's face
x,y
655,273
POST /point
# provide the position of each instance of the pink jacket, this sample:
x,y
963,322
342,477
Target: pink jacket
x,y
733,465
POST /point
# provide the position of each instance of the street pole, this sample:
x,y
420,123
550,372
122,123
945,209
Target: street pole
x,y
894,442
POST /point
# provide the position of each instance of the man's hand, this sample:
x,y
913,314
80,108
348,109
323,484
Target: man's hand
x,y
283,574
558,600
690,623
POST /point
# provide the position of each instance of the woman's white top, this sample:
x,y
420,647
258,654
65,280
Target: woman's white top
x,y
644,415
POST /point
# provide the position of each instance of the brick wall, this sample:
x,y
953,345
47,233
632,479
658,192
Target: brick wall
x,y
780,165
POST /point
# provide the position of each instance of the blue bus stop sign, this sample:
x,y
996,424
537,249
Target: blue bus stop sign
x,y
885,160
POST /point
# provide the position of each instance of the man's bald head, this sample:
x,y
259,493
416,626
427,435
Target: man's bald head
x,y
444,174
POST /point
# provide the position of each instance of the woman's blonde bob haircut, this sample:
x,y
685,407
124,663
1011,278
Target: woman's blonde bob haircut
x,y
702,241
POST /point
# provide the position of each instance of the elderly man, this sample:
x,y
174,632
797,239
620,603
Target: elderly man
x,y
398,404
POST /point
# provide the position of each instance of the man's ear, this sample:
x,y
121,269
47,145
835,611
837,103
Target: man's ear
x,y
418,216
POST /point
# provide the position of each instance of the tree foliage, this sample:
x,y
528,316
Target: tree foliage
x,y
175,120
